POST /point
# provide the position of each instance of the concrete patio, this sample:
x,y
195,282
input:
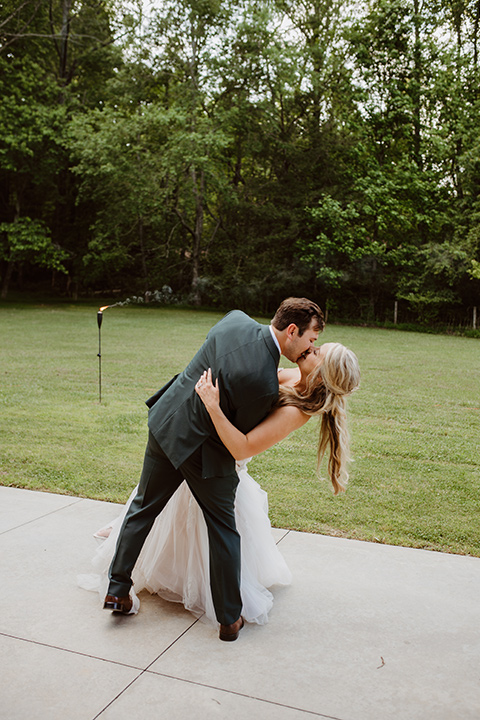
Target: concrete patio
x,y
365,632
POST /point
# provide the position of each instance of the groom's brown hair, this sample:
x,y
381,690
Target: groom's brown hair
x,y
299,311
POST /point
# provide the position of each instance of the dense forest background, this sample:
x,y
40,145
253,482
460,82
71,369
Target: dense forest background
x,y
231,153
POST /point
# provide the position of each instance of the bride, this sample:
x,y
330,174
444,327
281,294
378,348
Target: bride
x,y
174,561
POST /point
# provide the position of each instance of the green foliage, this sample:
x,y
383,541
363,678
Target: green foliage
x,y
27,239
240,152
474,270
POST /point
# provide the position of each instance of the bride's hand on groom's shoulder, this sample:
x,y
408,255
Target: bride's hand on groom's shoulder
x,y
207,390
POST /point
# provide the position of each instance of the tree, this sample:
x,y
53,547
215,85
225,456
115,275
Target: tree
x,y
53,58
27,240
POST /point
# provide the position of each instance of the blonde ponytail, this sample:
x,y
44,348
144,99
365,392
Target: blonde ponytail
x,y
325,395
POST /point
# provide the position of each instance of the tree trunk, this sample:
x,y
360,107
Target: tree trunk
x,y
6,279
475,33
64,35
198,191
416,97
141,240
9,263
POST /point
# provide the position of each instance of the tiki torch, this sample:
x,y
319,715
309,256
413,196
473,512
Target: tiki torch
x,y
99,354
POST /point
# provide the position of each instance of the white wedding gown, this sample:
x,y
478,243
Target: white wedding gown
x,y
174,561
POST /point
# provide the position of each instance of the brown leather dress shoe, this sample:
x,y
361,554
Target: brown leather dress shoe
x,y
230,632
118,604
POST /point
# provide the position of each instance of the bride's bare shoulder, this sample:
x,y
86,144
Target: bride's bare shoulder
x,y
288,417
288,376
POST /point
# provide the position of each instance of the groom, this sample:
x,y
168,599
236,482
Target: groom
x,y
183,445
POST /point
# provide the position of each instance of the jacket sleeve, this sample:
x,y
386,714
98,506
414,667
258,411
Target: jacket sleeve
x,y
152,400
249,416
251,399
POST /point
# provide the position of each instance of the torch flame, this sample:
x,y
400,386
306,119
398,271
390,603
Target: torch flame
x,y
103,308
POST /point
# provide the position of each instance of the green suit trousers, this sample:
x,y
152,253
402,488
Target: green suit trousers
x,y
216,497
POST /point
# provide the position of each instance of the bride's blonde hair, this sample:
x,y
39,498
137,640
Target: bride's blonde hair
x,y
327,387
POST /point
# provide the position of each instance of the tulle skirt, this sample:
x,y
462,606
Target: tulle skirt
x,y
174,561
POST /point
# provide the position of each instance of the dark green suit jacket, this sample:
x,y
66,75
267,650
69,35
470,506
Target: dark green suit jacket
x,y
244,359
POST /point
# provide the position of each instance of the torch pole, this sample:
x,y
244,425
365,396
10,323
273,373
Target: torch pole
x,y
99,354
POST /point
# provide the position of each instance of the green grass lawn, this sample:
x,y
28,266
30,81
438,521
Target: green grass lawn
x,y
415,422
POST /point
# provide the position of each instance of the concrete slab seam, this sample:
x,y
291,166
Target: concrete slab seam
x,y
141,674
73,652
287,532
118,695
172,643
243,695
40,517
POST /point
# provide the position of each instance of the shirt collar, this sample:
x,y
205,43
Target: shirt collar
x,y
275,340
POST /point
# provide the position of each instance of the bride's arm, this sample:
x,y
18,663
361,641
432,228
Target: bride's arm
x,y
276,426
